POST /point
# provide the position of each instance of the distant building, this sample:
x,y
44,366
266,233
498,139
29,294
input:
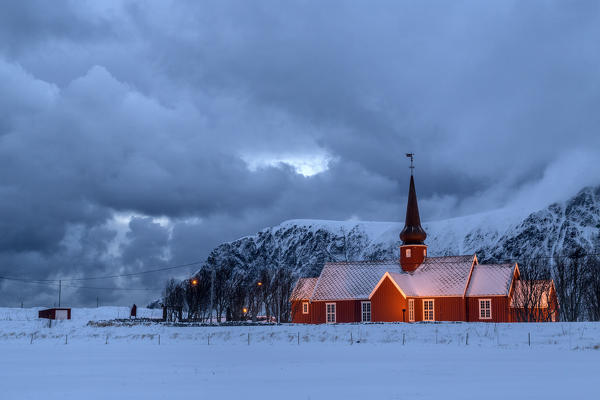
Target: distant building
x,y
420,288
55,313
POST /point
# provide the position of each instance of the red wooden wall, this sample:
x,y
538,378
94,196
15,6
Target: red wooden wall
x,y
297,316
387,303
346,311
500,312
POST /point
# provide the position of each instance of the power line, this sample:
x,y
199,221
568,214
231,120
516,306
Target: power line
x,y
56,285
55,282
12,278
136,273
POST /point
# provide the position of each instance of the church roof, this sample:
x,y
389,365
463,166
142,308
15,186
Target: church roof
x,y
304,289
436,276
491,280
354,280
351,280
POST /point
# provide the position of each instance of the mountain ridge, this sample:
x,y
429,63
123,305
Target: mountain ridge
x,y
303,246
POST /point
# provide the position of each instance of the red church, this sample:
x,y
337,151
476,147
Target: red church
x,y
420,288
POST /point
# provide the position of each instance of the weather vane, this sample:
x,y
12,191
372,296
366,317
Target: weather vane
x,y
412,167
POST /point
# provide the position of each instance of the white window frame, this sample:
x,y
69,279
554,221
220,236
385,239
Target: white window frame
x,y
426,316
484,316
327,313
305,307
408,253
411,310
363,312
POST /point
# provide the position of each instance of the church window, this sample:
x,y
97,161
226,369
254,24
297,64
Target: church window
x,y
408,253
305,307
330,312
485,308
411,310
366,311
428,310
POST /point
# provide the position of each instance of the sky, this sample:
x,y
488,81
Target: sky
x,y
141,134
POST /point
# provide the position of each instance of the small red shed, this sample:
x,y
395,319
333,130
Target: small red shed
x,y
55,313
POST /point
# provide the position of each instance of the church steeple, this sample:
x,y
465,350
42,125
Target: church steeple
x,y
413,232
413,250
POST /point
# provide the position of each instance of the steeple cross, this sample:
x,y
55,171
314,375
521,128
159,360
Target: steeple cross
x,y
412,167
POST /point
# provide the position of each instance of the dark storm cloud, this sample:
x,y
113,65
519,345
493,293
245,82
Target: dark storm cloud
x,y
135,134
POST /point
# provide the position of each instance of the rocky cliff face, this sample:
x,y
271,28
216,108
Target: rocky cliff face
x,y
303,246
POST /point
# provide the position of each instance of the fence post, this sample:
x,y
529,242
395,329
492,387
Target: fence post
x,y
529,338
467,339
31,339
403,338
66,339
436,332
248,338
106,340
298,338
208,340
159,340
351,341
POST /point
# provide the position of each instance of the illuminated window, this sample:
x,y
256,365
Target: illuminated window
x,y
411,310
330,312
428,310
485,308
407,253
366,311
305,307
424,252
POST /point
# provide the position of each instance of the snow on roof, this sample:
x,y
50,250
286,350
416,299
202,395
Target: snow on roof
x,y
304,289
351,280
491,279
437,276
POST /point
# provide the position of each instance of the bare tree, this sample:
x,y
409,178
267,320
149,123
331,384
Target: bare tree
x,y
570,278
532,293
592,292
280,291
221,301
174,300
197,295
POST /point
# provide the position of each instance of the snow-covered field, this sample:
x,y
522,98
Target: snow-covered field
x,y
417,361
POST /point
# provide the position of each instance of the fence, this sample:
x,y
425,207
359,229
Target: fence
x,y
527,335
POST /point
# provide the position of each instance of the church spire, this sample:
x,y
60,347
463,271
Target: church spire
x,y
412,251
412,233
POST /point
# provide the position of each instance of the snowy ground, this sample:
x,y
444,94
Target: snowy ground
x,y
293,362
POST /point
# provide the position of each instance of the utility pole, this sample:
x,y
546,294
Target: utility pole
x,y
59,290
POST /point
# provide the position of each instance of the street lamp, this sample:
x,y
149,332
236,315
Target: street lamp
x,y
194,282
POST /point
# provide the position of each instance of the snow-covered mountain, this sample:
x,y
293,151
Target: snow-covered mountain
x,y
303,246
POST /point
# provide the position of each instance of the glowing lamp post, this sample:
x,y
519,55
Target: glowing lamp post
x,y
194,282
